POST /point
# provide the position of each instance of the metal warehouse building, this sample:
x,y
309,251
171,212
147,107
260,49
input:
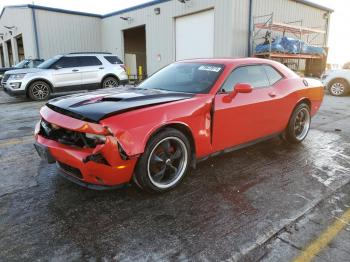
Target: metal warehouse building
x,y
151,35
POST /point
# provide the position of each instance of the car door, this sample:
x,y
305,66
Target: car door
x,y
248,116
91,71
66,74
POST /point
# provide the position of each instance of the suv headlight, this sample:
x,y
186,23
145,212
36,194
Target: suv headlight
x,y
17,77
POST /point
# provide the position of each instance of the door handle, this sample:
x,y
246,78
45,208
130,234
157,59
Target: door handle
x,y
75,70
272,94
101,68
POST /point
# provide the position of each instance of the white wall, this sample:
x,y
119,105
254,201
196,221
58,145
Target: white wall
x,y
21,18
63,33
160,29
60,33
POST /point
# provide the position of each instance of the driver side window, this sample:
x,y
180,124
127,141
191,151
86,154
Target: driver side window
x,y
252,74
67,62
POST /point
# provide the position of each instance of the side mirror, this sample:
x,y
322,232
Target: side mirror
x,y
243,88
56,67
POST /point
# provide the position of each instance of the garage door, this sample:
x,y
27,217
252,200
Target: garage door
x,y
195,36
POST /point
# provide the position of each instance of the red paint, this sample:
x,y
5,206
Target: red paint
x,y
238,117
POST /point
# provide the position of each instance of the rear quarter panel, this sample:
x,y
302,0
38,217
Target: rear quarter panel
x,y
290,93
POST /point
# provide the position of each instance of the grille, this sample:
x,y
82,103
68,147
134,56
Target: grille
x,y
70,170
65,136
5,78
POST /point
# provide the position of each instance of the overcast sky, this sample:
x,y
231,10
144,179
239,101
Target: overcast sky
x,y
339,39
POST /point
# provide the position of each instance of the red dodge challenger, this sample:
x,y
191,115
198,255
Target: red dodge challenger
x,y
184,113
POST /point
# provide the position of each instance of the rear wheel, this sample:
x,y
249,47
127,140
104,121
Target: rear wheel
x,y
299,124
165,161
110,82
338,87
39,91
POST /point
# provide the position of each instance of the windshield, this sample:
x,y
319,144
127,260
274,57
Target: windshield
x,y
21,64
48,63
185,77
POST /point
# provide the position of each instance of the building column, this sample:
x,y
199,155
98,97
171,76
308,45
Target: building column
x,y
14,50
6,55
1,55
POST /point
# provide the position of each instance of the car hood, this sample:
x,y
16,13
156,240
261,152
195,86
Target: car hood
x,y
24,71
4,69
95,106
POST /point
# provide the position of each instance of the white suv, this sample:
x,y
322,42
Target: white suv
x,y
337,81
74,71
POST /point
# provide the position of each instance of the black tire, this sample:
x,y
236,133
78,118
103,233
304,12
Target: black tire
x,y
338,87
39,91
110,82
299,124
164,162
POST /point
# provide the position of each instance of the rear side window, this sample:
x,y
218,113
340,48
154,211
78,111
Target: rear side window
x,y
254,75
67,62
273,75
113,60
89,61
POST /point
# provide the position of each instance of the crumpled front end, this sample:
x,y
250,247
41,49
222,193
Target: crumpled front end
x,y
87,153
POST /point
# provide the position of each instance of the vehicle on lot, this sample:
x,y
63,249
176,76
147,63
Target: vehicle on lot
x,y
75,71
184,113
26,63
337,81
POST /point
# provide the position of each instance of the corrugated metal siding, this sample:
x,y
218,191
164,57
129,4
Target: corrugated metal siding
x,y
21,18
289,11
160,35
63,33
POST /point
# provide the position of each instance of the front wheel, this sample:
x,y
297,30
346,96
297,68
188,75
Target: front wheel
x,y
39,91
299,124
165,161
110,82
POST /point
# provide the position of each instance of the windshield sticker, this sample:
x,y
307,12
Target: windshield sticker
x,y
210,68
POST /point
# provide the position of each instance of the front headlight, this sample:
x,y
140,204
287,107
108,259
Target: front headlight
x,y
17,77
99,139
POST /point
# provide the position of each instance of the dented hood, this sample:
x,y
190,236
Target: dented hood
x,y
95,106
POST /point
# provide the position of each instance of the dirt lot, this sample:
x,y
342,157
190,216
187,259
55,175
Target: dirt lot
x,y
267,202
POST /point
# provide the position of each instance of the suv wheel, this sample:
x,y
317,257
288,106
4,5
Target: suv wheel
x,y
39,91
110,82
338,87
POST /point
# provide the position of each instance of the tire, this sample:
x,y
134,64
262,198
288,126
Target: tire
x,y
39,91
164,162
299,124
110,82
338,87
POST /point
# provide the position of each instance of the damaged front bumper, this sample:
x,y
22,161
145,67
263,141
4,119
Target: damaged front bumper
x,y
101,167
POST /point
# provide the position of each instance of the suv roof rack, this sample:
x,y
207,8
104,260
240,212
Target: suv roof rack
x,y
80,53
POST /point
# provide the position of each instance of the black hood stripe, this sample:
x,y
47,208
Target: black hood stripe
x,y
95,106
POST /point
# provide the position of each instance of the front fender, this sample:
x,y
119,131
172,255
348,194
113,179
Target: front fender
x,y
134,129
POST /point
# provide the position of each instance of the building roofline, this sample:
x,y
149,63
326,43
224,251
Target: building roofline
x,y
51,9
312,4
136,7
133,8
